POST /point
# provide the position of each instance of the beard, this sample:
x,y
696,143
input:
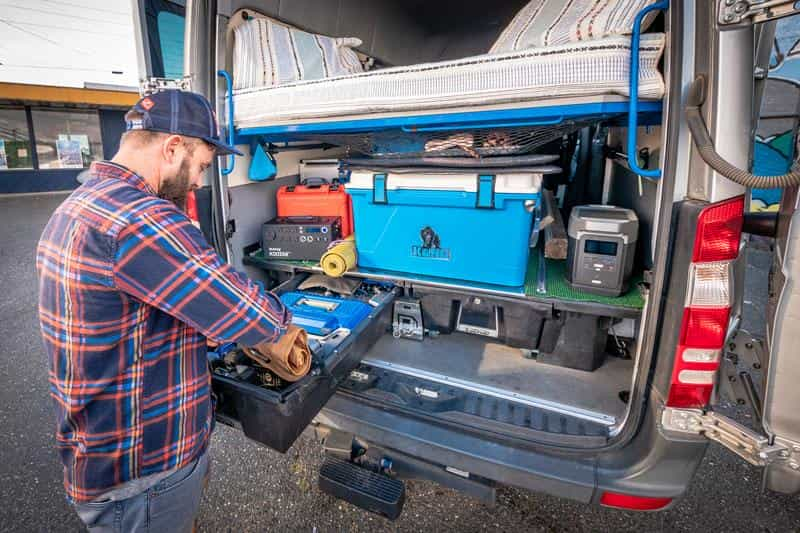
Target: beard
x,y
177,188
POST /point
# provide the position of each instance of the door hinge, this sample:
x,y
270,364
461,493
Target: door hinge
x,y
753,447
153,85
741,371
230,229
737,13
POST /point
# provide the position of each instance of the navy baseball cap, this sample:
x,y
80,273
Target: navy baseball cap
x,y
180,113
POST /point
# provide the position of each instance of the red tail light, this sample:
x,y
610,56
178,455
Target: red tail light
x,y
719,229
704,327
708,304
635,503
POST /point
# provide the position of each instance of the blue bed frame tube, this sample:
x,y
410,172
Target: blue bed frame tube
x,y
228,168
534,116
633,98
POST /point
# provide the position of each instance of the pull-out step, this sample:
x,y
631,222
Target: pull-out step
x,y
362,487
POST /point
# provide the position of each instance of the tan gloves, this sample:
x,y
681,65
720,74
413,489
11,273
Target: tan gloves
x,y
289,357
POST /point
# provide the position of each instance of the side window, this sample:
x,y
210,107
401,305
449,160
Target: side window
x,y
165,27
170,37
15,140
776,135
67,139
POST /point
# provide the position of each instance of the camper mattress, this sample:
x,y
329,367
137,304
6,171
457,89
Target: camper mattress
x,y
593,68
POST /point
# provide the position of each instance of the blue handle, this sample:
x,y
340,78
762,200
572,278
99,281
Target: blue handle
x,y
633,102
229,88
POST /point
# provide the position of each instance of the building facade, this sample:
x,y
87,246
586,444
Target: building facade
x,y
48,135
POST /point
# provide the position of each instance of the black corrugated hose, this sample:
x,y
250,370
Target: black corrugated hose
x,y
705,146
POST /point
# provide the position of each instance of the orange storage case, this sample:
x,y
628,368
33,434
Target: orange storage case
x,y
323,200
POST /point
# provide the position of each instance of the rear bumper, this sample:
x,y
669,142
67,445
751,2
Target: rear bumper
x,y
650,465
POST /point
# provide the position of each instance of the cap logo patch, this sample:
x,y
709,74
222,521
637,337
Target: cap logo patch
x,y
134,124
147,104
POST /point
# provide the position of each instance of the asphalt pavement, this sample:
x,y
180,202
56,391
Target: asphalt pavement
x,y
255,489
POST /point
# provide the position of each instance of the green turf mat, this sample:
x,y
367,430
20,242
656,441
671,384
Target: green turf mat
x,y
558,288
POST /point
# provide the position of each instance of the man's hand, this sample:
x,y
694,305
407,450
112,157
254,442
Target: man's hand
x,y
289,357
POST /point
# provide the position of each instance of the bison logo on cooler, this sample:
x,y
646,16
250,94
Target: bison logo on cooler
x,y
431,247
429,238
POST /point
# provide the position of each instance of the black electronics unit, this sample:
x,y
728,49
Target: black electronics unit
x,y
602,242
299,238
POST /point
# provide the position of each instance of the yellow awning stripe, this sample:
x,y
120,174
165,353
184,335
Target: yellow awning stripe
x,y
66,95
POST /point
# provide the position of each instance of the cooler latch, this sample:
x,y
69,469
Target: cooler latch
x,y
379,188
485,192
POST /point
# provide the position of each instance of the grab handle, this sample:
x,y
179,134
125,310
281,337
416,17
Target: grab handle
x,y
314,182
229,97
633,90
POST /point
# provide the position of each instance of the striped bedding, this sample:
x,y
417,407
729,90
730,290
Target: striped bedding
x,y
553,22
585,68
268,53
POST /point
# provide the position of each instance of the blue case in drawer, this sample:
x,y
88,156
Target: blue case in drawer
x,y
320,315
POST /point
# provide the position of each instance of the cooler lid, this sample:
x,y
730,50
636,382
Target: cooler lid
x,y
510,183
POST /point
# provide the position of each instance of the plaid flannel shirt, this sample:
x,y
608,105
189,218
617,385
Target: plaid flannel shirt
x,y
129,290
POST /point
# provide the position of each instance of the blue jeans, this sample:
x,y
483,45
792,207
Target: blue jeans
x,y
169,505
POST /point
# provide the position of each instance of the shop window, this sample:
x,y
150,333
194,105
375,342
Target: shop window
x,y
67,139
15,142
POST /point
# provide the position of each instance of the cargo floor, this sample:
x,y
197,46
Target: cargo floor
x,y
467,360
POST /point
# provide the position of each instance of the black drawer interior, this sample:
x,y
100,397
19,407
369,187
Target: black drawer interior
x,y
275,417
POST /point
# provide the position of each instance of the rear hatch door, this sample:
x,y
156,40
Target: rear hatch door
x,y
781,416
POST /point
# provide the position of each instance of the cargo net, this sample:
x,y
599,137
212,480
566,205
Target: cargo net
x,y
474,143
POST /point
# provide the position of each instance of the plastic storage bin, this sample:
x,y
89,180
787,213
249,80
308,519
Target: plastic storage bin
x,y
456,225
317,199
321,315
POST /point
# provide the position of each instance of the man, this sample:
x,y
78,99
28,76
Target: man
x,y
129,292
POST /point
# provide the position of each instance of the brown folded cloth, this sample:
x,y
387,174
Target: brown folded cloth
x,y
289,357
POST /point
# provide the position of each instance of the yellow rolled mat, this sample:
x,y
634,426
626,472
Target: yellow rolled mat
x,y
339,259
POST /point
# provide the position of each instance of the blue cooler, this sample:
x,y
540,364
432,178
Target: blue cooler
x,y
452,225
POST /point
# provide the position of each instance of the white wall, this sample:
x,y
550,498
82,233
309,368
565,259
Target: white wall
x,y
67,43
